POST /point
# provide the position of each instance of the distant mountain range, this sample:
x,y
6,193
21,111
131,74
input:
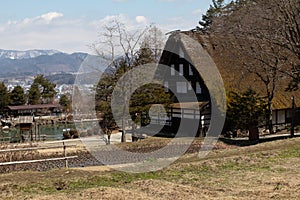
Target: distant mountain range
x,y
32,62
13,54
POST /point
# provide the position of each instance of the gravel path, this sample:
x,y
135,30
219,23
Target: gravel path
x,y
103,154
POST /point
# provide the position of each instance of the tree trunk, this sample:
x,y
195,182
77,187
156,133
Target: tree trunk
x,y
269,117
253,133
108,139
123,138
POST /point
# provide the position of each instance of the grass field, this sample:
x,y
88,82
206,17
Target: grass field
x,y
263,171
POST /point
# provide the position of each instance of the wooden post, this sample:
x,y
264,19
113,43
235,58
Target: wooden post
x,y
38,130
293,117
31,136
276,112
33,132
65,155
253,133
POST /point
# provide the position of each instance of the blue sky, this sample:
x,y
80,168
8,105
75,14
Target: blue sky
x,y
70,26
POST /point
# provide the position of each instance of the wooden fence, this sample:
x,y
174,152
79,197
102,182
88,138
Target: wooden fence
x,y
64,155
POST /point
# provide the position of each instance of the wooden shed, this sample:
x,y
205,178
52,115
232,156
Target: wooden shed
x,y
26,124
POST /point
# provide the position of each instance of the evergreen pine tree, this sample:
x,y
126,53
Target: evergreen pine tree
x,y
4,97
17,96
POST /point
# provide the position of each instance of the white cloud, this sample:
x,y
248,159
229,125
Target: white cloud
x,y
179,23
141,19
181,1
198,12
51,15
54,31
44,18
45,32
132,24
107,19
69,35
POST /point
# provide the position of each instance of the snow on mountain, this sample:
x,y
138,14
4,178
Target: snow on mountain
x,y
16,55
17,63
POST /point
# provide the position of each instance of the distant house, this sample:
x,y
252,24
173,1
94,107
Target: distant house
x,y
36,110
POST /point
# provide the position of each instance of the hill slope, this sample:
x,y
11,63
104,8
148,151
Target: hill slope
x,y
43,64
264,171
13,54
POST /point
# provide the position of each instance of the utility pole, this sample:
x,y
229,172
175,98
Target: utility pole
x,y
293,117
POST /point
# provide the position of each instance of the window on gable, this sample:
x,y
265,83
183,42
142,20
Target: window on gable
x,y
191,70
190,86
198,88
172,70
181,69
181,87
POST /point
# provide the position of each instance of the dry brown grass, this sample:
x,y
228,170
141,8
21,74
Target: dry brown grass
x,y
263,171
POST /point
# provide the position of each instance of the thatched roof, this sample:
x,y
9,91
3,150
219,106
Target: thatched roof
x,y
236,79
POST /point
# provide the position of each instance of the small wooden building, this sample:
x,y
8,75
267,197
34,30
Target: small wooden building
x,y
285,115
36,110
26,124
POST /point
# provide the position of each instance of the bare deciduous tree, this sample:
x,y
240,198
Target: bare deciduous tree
x,y
248,35
289,17
121,47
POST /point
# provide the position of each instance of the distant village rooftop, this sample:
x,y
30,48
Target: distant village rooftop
x,y
40,109
33,107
